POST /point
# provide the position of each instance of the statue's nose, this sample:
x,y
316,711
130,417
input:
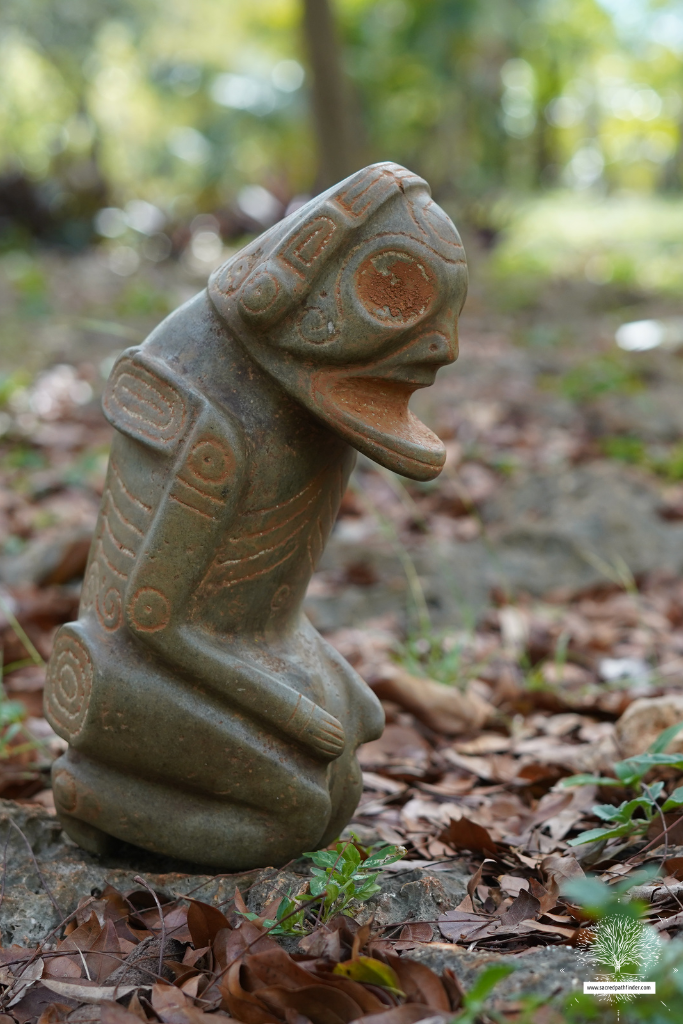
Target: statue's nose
x,y
439,342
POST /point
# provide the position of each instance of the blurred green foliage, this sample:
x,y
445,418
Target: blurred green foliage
x,y
664,460
437,656
598,376
185,104
627,239
625,449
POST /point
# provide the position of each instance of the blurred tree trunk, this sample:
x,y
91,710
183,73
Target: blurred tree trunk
x,y
339,151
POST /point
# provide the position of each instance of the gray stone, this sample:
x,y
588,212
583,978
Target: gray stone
x,y
562,527
419,895
27,913
655,414
271,884
546,972
568,527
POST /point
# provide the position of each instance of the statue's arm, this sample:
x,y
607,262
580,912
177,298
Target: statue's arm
x,y
205,479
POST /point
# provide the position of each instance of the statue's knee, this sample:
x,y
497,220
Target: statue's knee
x,y
88,836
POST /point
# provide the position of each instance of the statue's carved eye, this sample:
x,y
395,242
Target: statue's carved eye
x,y
394,287
315,326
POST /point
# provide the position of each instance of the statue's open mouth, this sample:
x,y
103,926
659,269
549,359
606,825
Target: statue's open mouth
x,y
372,414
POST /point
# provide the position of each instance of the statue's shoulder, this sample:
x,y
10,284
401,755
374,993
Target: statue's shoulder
x,y
159,404
149,401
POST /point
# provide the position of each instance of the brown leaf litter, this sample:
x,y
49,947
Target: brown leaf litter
x,y
213,963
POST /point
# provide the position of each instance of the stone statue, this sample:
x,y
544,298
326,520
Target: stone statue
x,y
206,718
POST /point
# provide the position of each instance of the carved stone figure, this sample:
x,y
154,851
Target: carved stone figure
x,y
206,718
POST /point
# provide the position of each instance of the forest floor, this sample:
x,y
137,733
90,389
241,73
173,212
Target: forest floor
x,y
521,619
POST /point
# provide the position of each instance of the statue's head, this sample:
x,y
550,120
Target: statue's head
x,y
351,304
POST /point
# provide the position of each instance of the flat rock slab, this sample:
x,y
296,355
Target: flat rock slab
x,y
39,893
545,972
563,526
45,885
63,874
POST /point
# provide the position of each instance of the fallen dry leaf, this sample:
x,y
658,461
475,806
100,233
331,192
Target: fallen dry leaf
x,y
442,708
204,922
467,835
408,1014
674,866
523,907
87,991
25,975
114,1013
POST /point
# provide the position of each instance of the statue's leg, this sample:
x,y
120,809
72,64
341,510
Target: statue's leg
x,y
139,718
346,786
352,700
190,825
88,837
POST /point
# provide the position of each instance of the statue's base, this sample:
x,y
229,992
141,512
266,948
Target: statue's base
x,y
71,872
91,839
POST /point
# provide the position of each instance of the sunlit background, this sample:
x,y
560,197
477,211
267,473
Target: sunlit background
x,y
150,129
142,142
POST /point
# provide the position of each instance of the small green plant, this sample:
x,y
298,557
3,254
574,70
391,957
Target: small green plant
x,y
599,376
342,877
12,728
12,712
30,285
290,917
22,457
474,1000
348,873
670,466
141,298
630,774
10,383
625,449
438,656
666,462
534,676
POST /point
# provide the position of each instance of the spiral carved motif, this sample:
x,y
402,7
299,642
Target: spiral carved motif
x,y
69,685
109,610
210,463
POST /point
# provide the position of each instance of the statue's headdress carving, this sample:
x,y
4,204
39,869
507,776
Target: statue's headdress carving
x,y
277,270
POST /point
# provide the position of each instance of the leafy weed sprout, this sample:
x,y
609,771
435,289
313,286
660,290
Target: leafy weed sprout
x,y
343,878
12,712
438,656
664,460
633,817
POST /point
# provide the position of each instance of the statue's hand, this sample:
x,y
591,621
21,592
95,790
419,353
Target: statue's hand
x,y
317,729
325,734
